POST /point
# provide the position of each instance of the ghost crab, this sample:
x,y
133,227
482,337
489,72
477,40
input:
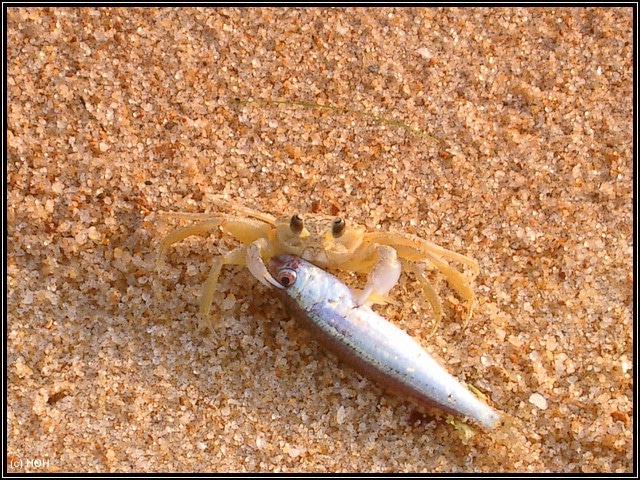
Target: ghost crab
x,y
327,242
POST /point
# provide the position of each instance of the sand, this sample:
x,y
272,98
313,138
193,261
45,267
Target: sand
x,y
504,134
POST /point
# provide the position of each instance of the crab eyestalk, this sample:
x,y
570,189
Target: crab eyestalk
x,y
338,226
296,224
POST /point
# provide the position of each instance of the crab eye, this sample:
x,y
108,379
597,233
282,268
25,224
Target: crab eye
x,y
338,226
287,277
296,224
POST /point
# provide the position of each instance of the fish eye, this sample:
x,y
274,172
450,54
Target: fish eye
x,y
296,224
287,277
337,227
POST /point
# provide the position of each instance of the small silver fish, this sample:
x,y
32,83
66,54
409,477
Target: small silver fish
x,y
375,347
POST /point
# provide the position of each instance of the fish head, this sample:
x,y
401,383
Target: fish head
x,y
307,284
288,270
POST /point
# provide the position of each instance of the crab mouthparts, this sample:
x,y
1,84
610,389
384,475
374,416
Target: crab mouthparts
x,y
316,256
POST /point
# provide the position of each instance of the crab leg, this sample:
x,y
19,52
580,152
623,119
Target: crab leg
x,y
265,217
234,257
416,250
249,231
456,279
457,257
421,247
427,289
250,255
246,230
181,234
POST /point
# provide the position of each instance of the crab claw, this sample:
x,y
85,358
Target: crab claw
x,y
257,267
383,277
